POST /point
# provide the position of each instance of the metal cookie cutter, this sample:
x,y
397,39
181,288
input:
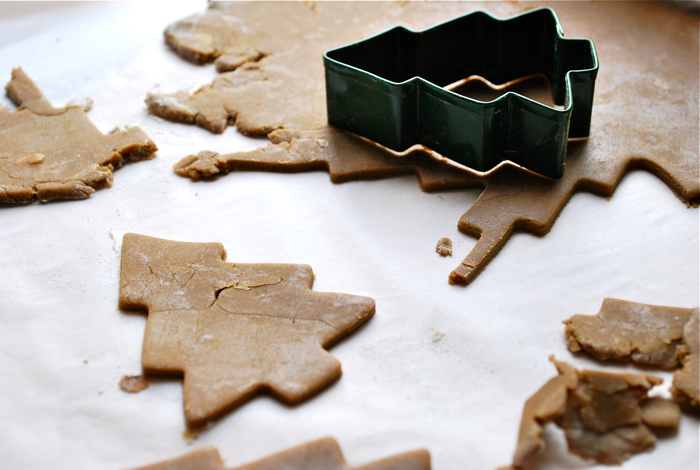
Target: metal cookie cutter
x,y
389,89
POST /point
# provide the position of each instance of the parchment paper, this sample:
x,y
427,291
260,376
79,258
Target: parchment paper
x,y
64,344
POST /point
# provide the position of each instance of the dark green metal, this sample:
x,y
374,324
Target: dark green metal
x,y
389,89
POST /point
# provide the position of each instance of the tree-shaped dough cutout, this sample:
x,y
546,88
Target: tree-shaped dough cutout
x,y
233,329
57,153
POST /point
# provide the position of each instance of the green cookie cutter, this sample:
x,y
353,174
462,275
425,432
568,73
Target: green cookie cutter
x,y
389,89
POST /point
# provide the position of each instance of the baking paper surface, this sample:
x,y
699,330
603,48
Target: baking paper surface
x,y
440,367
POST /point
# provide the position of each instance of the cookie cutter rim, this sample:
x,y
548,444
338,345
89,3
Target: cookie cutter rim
x,y
351,91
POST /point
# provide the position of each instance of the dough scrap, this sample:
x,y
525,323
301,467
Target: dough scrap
x,y
663,337
57,153
645,113
133,383
645,334
328,148
686,382
606,417
444,247
233,329
323,454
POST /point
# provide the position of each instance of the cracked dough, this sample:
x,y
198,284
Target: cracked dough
x,y
645,112
323,454
606,417
57,153
233,329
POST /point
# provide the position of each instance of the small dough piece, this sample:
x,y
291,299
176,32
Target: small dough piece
x,y
133,383
444,247
233,329
661,413
323,454
645,334
687,381
604,415
57,153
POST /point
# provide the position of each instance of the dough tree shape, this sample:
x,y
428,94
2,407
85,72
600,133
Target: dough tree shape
x,y
327,149
233,329
645,113
606,417
57,153
323,454
656,336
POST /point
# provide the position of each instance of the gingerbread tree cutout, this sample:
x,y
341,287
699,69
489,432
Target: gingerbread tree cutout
x,y
57,153
233,329
323,454
645,112
665,337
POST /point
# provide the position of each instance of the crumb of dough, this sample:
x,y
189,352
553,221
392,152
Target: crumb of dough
x,y
57,153
606,417
323,454
200,308
665,337
190,435
133,383
444,247
437,336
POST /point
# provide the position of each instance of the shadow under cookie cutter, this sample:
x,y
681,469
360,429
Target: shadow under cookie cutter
x,y
390,89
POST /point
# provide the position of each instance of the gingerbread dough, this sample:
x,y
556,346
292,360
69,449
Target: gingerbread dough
x,y
323,454
233,329
645,112
133,383
57,153
330,149
444,247
606,417
687,381
646,334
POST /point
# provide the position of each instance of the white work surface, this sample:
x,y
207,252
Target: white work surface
x,y
64,343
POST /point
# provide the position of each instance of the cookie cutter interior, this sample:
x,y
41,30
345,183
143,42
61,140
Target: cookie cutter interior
x,y
390,89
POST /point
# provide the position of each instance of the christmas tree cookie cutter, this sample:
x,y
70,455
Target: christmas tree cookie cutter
x,y
390,89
